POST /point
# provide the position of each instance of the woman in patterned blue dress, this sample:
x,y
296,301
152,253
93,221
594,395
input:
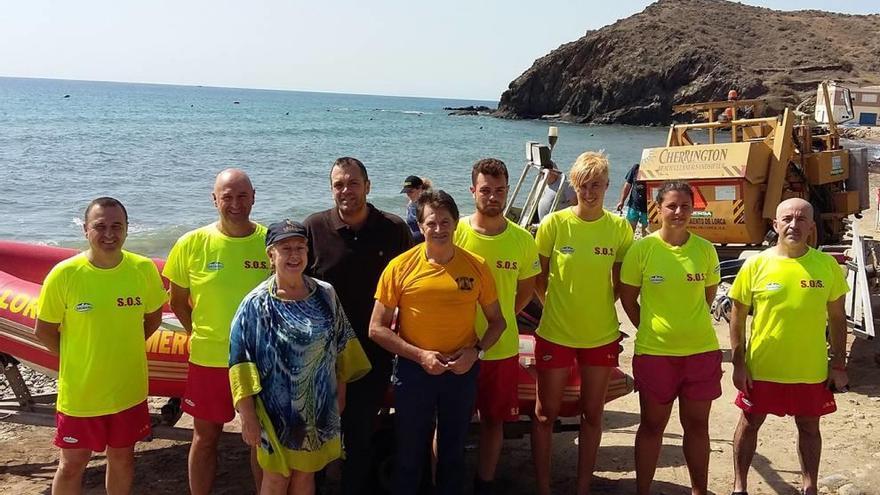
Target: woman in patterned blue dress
x,y
292,350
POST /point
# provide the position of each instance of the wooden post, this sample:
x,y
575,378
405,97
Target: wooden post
x,y
782,149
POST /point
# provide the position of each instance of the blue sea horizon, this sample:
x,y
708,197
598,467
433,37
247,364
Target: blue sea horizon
x,y
158,147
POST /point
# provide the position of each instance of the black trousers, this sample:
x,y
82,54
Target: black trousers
x,y
363,398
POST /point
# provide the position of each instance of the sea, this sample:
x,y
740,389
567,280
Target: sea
x,y
157,148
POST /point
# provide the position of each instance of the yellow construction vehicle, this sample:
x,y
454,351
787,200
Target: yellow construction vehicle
x,y
740,169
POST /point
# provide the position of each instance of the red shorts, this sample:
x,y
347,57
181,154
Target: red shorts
x,y
549,355
663,378
792,399
96,433
497,389
208,395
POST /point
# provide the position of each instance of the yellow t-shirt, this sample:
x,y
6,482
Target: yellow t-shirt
x,y
675,317
512,256
219,271
579,304
103,361
436,303
789,297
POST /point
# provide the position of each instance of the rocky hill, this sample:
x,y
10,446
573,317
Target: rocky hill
x,y
682,51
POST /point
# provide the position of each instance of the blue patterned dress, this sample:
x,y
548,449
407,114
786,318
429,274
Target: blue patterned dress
x,y
290,354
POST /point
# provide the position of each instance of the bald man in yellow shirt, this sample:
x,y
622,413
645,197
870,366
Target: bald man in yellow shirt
x,y
785,368
211,269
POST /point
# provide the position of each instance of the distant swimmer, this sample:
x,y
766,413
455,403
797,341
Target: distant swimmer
x,y
67,96
236,102
286,113
108,301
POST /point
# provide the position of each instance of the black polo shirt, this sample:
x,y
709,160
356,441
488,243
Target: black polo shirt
x,y
352,262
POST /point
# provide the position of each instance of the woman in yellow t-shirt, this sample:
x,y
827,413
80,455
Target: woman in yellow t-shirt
x,y
581,249
669,280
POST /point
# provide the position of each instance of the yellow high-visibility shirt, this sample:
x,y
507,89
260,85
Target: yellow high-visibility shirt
x,y
675,317
512,256
219,271
789,298
103,360
579,303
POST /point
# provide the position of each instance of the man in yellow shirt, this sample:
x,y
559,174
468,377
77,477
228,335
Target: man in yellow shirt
x,y
785,368
211,269
436,288
512,256
95,311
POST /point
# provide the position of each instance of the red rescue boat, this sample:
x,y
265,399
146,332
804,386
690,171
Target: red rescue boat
x,y
24,266
22,270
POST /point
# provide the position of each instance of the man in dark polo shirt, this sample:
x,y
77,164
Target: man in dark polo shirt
x,y
349,246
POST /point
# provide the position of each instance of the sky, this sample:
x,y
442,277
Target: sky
x,y
450,48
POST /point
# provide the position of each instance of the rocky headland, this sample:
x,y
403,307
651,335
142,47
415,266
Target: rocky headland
x,y
684,51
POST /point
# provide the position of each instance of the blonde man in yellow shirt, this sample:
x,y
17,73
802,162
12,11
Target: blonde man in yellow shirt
x,y
669,279
95,311
581,249
784,368
436,288
512,256
211,269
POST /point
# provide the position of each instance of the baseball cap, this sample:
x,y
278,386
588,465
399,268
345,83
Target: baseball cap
x,y
411,182
284,229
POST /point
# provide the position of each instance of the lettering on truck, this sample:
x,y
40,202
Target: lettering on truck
x,y
689,156
18,302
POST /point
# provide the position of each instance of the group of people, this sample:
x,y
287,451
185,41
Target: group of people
x,y
301,327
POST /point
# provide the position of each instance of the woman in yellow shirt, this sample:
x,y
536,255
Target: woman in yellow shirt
x,y
669,280
580,249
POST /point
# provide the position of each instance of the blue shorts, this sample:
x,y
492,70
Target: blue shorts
x,y
635,216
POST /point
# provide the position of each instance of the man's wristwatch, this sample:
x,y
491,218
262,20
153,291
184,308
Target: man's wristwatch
x,y
480,352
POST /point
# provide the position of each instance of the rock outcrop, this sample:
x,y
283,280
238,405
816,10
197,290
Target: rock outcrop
x,y
684,51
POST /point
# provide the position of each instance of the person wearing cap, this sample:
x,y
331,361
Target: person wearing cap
x,y
436,288
787,367
95,312
211,269
292,351
413,186
349,246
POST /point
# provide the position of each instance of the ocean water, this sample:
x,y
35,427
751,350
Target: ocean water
x,y
158,148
